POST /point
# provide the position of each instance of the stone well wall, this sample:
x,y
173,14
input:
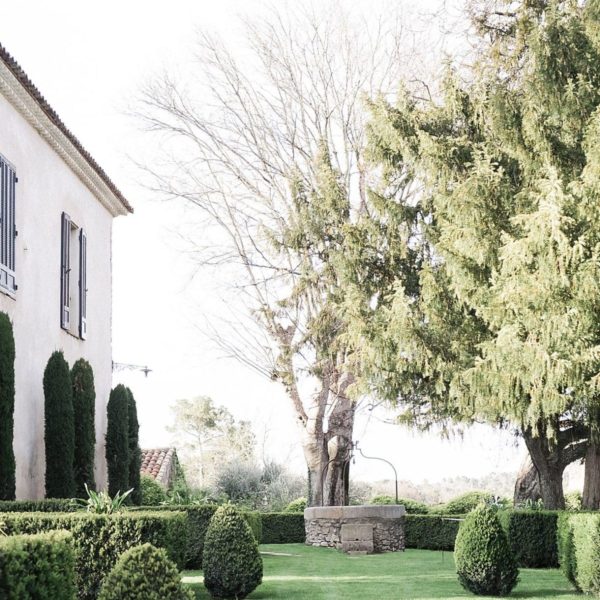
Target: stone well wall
x,y
323,525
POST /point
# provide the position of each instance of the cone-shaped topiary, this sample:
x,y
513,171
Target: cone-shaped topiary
x,y
135,453
59,428
117,440
84,409
144,573
484,561
7,409
231,562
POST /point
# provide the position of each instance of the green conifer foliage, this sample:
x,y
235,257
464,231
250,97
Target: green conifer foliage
x,y
484,561
135,453
84,408
59,428
505,325
117,440
231,561
7,409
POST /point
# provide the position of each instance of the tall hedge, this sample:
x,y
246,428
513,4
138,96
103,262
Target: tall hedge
x,y
7,409
84,410
135,453
59,428
117,440
38,566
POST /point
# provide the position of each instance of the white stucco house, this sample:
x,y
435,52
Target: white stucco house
x,y
56,211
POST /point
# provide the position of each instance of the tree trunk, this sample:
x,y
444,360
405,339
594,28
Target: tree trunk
x,y
527,485
545,457
591,482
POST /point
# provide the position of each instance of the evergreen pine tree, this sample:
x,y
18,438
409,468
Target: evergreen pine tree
x,y
117,440
59,428
84,408
7,409
135,453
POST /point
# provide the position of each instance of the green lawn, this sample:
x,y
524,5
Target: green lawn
x,y
298,572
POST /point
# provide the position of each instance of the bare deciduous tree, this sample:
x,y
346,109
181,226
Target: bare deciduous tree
x,y
259,143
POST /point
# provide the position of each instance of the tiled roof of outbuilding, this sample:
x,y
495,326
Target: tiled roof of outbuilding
x,y
160,464
28,85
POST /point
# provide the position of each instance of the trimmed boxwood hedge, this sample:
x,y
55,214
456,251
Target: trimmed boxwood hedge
x,y
532,536
37,566
48,505
431,532
283,528
99,540
198,518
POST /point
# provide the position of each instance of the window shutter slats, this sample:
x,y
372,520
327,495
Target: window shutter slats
x,y
65,268
82,284
8,180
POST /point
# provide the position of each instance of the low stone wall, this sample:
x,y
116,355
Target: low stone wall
x,y
323,525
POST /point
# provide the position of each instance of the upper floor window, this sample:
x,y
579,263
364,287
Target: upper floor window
x,y
73,278
8,230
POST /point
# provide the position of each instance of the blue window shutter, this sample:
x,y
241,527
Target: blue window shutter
x,y
82,284
8,230
65,269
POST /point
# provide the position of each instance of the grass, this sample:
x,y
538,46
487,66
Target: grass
x,y
298,572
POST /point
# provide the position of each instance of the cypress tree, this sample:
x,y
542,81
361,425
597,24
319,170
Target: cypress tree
x,y
84,408
117,440
59,428
135,453
7,408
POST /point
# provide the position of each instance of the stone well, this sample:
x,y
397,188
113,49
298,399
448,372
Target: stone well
x,y
323,525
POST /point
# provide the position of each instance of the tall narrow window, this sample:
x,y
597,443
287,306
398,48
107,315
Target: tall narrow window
x,y
82,284
65,270
8,231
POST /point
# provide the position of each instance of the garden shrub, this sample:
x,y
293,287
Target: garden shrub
x,y
46,505
431,532
412,507
99,540
117,440
296,506
573,501
283,528
199,516
7,408
231,564
532,537
566,548
135,453
59,429
144,573
39,567
465,503
254,520
84,411
484,561
152,492
579,549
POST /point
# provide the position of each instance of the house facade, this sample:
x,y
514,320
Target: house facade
x,y
56,211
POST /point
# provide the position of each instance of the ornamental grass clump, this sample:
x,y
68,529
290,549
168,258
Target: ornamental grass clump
x,y
484,561
144,573
231,562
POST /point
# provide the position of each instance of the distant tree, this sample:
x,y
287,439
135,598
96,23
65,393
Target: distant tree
x,y
7,409
208,433
135,453
117,440
84,411
59,428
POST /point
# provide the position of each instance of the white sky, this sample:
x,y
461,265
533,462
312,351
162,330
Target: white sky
x,y
90,59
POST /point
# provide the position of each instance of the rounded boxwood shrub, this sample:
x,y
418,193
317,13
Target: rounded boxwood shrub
x,y
465,503
152,492
144,573
484,561
297,505
231,562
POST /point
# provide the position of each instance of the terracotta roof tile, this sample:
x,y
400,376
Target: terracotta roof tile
x,y
28,85
160,464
